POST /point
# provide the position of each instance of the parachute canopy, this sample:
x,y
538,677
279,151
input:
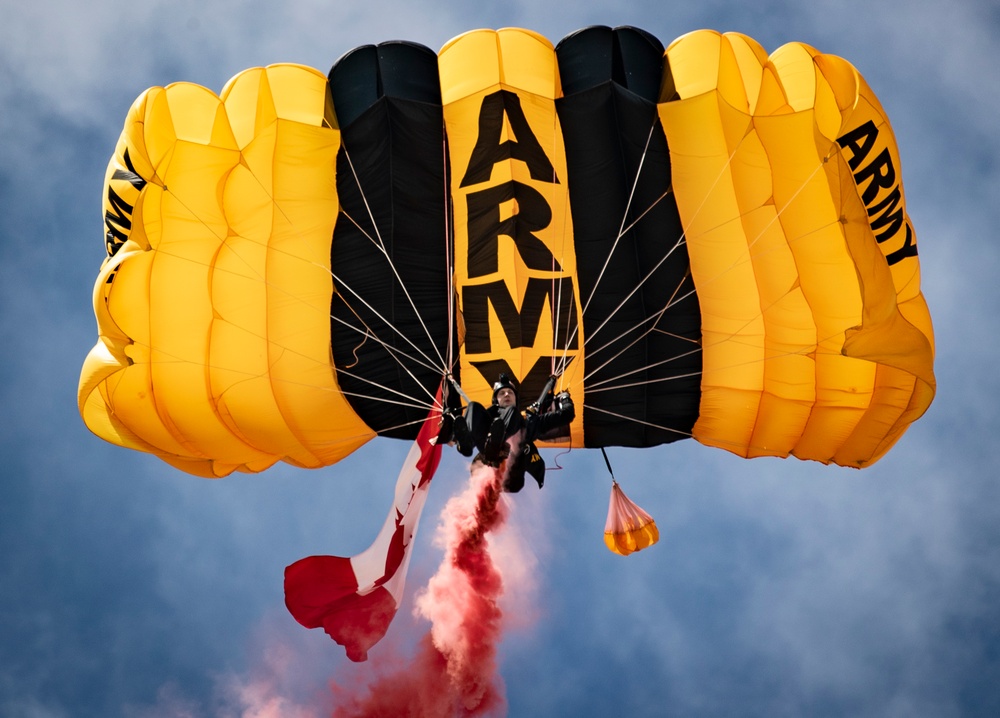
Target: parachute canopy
x,y
701,240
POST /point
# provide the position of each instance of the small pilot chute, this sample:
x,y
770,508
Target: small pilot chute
x,y
629,528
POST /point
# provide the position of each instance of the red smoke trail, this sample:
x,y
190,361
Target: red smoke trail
x,y
454,672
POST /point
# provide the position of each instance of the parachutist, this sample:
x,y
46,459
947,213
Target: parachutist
x,y
501,430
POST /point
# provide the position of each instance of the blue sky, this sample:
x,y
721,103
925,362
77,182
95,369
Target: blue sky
x,y
779,588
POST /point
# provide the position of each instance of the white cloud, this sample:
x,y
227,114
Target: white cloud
x,y
776,585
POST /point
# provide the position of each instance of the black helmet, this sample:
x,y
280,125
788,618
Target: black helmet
x,y
503,382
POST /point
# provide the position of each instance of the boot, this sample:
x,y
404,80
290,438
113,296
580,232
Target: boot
x,y
494,444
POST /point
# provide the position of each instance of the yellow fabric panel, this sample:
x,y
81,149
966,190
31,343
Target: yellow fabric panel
x,y
750,57
131,395
628,542
241,383
290,157
107,365
180,307
809,221
880,426
472,67
732,323
482,59
213,316
814,345
893,291
155,295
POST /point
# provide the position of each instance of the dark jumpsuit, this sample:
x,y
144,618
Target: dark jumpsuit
x,y
484,423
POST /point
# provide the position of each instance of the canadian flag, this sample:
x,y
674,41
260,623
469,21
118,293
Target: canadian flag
x,y
354,599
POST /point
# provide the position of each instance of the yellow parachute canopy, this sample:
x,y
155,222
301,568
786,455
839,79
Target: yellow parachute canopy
x,y
700,240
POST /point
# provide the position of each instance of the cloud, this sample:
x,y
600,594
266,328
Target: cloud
x,y
778,588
